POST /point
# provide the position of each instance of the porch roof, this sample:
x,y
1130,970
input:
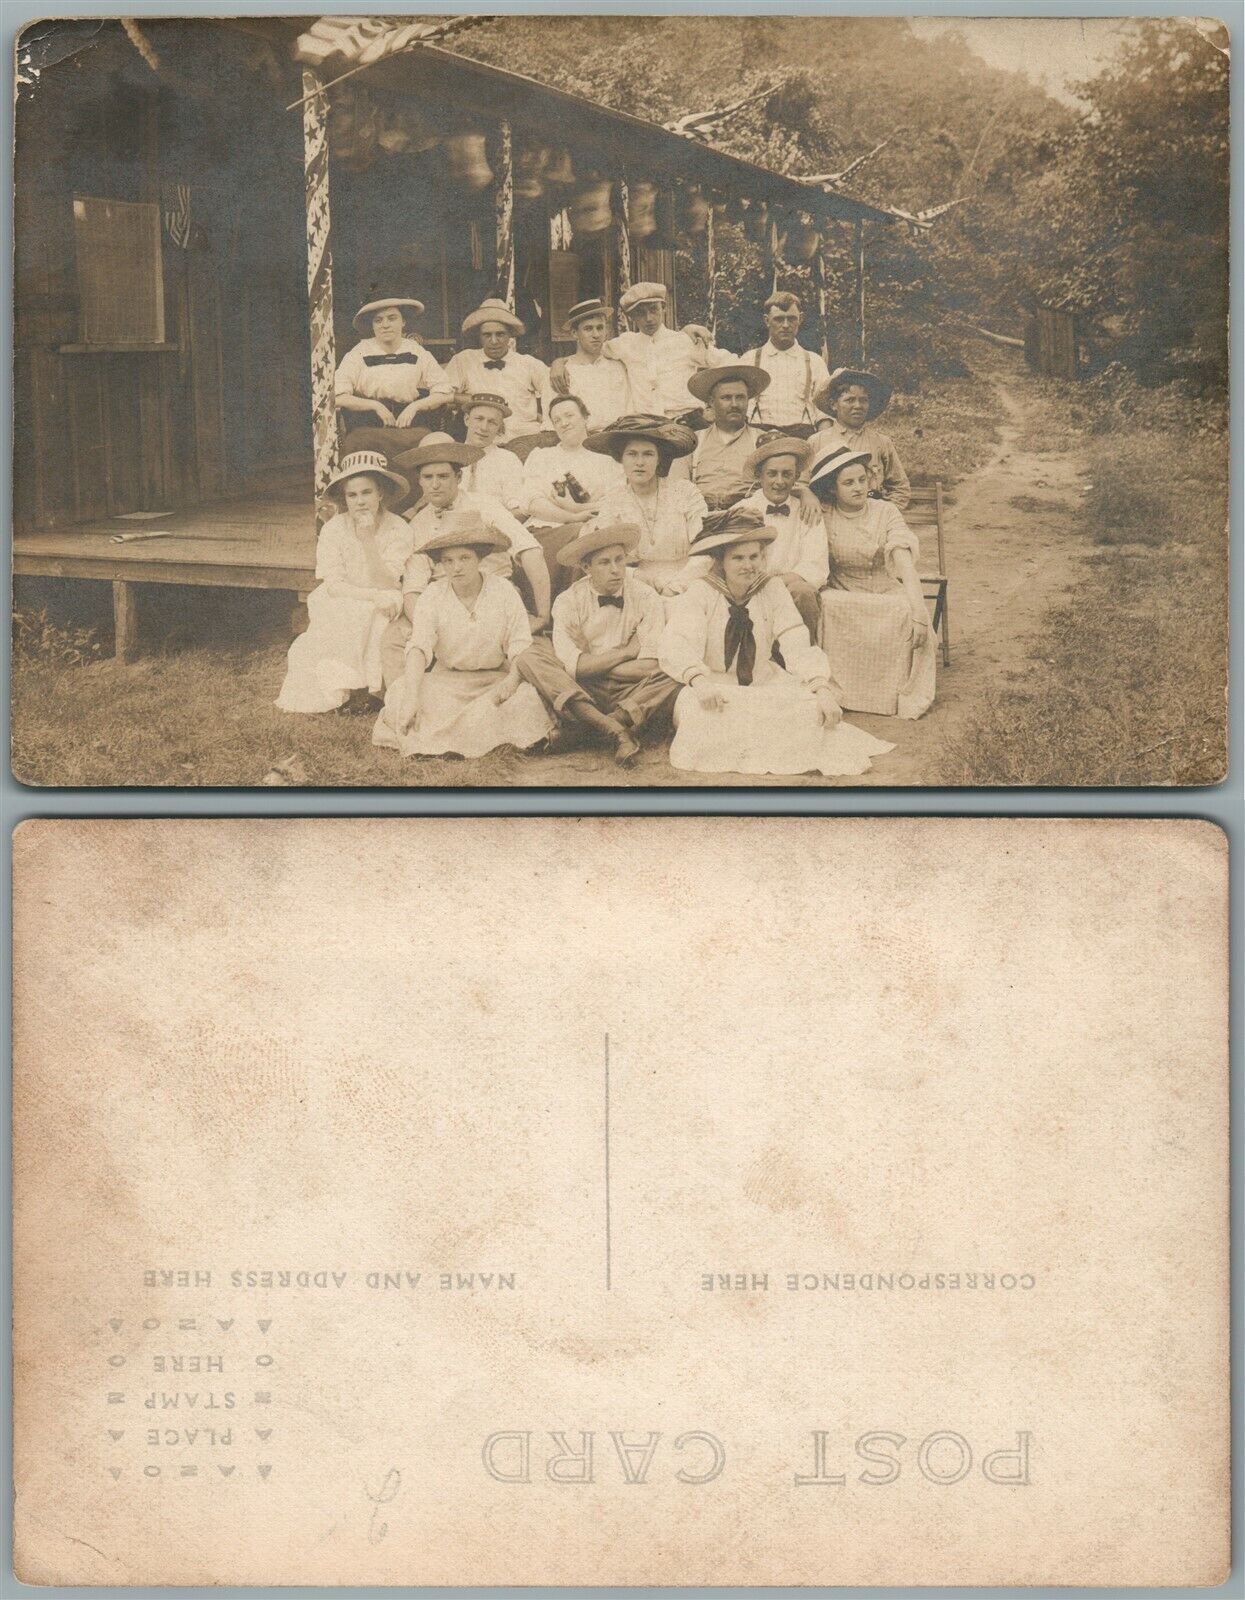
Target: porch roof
x,y
648,146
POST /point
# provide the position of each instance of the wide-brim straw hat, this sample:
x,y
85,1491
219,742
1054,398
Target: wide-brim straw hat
x,y
438,447
373,463
736,525
670,436
362,317
464,530
878,390
834,460
493,311
703,383
599,536
495,400
779,444
641,294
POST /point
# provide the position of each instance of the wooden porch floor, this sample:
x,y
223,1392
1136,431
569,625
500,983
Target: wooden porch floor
x,y
265,541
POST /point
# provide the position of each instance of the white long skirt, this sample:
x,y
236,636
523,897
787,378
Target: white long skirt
x,y
457,716
340,651
868,640
770,727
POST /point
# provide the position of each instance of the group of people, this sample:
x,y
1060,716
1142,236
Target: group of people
x,y
650,529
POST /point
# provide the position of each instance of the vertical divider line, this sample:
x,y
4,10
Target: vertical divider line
x,y
608,1237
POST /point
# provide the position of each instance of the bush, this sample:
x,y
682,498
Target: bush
x,y
37,638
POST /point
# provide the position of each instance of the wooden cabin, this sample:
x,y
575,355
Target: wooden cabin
x,y
201,206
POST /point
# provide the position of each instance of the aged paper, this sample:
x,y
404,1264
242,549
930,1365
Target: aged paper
x,y
621,1201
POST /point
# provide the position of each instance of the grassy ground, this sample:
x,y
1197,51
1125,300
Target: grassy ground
x,y
1129,675
196,708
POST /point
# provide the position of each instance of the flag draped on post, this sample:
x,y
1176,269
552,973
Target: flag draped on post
x,y
319,282
177,217
504,200
624,236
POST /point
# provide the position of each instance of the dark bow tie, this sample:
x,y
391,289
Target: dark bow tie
x,y
784,510
610,600
404,358
494,366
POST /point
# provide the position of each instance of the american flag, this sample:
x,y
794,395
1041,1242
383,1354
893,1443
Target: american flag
x,y
177,217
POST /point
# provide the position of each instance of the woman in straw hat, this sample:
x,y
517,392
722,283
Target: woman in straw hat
x,y
852,397
360,555
460,692
668,513
741,711
388,379
876,625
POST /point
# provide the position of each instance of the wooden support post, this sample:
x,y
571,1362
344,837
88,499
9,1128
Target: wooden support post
x,y
503,199
624,236
823,311
711,270
125,620
771,254
861,352
319,284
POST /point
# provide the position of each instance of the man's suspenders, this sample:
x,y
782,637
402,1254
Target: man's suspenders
x,y
806,413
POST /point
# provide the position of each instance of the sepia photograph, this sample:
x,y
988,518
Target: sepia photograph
x,y
569,401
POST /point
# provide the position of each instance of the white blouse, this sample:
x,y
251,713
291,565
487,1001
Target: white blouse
x,y
483,638
341,556
694,641
367,370
668,523
544,468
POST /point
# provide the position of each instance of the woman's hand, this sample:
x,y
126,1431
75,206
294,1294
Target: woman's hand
x,y
408,414
920,625
505,688
709,694
383,412
407,708
831,710
389,602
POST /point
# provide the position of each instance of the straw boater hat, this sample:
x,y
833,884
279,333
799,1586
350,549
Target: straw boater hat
x,y
464,530
362,318
587,308
778,444
670,436
493,311
834,460
367,461
438,447
703,383
721,529
878,390
494,400
599,536
641,294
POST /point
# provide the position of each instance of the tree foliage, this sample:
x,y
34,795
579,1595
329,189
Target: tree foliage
x,y
1116,208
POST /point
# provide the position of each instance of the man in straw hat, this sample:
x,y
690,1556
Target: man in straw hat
x,y
600,670
437,468
852,397
388,379
492,365
496,472
600,381
718,464
796,374
799,554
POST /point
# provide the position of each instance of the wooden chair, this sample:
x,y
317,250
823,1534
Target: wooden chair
x,y
925,510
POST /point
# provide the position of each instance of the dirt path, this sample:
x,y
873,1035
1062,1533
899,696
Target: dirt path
x,y
1012,548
